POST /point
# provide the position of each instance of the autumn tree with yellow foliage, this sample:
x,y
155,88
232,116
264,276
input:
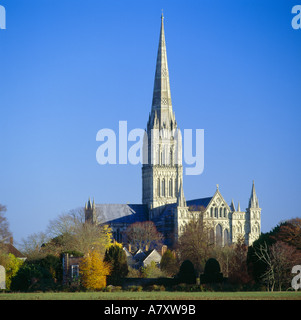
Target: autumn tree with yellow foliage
x,y
94,271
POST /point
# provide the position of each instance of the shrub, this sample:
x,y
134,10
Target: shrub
x,y
156,287
111,288
38,275
135,288
187,273
184,287
151,271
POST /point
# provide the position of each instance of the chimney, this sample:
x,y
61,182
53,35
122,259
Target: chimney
x,y
11,240
163,249
130,248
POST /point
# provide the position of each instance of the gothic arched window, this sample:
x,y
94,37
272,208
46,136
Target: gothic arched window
x,y
158,187
226,237
170,187
219,235
163,188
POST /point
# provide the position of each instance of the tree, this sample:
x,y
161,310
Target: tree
x,y
4,226
267,249
68,232
212,272
284,258
41,274
257,267
142,235
75,234
31,246
12,267
224,257
186,273
279,259
116,257
94,270
169,264
238,271
194,244
290,232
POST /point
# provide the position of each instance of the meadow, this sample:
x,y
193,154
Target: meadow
x,y
165,295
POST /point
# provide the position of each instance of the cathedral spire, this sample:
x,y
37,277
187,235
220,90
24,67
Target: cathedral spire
x,y
163,172
253,202
161,94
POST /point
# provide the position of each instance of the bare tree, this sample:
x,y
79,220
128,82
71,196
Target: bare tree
x,y
284,258
268,276
142,235
194,243
32,244
279,259
68,232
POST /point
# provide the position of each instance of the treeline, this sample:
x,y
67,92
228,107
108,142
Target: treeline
x,y
266,265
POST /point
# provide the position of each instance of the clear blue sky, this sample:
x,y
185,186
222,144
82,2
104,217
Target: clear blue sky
x,y
71,68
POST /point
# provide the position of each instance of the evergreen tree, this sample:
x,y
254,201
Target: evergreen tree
x,y
169,263
116,257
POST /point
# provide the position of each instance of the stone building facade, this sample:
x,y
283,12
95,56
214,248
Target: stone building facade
x,y
163,200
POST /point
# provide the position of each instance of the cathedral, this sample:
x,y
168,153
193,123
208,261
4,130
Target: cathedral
x,y
163,200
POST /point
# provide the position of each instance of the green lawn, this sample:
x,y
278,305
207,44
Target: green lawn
x,y
153,296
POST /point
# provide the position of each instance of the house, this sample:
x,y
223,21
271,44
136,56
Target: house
x,y
70,268
143,258
10,248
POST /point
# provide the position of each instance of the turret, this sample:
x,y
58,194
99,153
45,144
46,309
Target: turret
x,y
90,212
253,217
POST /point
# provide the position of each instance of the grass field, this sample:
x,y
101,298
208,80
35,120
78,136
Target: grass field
x,y
153,296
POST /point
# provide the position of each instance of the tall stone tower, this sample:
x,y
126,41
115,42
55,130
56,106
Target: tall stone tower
x,y
253,218
162,173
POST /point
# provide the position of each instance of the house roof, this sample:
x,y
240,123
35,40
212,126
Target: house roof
x,y
141,255
13,250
